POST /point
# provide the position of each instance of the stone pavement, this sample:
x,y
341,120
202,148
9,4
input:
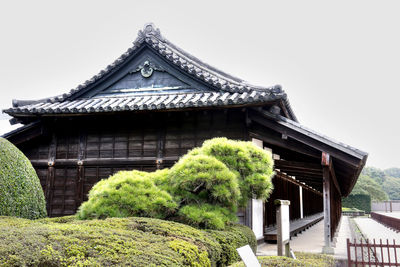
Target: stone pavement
x,y
372,229
312,240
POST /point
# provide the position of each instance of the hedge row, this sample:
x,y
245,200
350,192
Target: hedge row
x,y
358,201
66,241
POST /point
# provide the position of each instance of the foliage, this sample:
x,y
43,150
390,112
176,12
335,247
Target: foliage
x,y
204,179
133,241
387,181
21,194
206,216
392,187
203,189
126,194
393,172
253,165
358,201
367,186
375,173
233,237
302,259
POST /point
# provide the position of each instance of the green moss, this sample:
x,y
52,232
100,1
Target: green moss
x,y
302,260
21,194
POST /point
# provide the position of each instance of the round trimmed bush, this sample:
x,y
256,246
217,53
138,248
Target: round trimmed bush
x,y
126,194
21,194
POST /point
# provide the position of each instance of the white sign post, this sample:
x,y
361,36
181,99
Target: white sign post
x,y
283,226
248,257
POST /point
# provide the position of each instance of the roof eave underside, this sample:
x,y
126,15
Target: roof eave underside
x,y
349,160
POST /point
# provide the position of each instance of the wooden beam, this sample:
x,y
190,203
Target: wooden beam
x,y
295,165
334,179
297,182
106,161
326,161
273,125
282,143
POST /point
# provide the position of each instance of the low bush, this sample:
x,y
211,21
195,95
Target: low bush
x,y
66,241
21,194
234,236
127,194
302,260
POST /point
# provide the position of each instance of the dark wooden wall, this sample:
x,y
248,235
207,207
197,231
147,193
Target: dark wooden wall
x,y
76,153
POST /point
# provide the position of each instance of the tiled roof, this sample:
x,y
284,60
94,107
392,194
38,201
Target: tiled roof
x,y
149,102
229,90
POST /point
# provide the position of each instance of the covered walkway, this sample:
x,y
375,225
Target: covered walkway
x,y
312,240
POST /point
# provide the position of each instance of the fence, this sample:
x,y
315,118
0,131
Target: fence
x,y
386,206
372,254
387,220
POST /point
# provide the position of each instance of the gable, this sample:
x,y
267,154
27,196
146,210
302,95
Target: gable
x,y
146,74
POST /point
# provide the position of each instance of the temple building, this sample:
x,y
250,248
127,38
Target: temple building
x,y
153,104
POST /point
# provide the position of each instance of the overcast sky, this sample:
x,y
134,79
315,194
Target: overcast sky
x,y
338,61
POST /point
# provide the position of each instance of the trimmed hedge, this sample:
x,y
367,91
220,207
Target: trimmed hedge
x,y
66,241
358,201
21,194
233,237
302,260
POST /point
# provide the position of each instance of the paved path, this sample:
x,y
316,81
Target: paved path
x,y
312,240
372,229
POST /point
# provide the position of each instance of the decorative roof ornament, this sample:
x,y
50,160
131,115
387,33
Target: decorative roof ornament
x,y
150,30
146,70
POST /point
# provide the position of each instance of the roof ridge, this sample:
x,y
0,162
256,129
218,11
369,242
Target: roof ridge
x,y
151,35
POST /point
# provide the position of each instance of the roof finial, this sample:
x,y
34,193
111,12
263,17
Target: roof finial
x,y
149,30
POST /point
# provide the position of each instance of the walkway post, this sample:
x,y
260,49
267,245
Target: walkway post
x,y
328,249
283,226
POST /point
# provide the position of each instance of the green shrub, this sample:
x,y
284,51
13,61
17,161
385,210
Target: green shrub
x,y
126,194
21,194
234,236
358,201
203,179
66,241
302,260
253,165
206,216
203,189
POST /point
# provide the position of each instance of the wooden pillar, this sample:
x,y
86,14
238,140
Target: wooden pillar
x,y
328,249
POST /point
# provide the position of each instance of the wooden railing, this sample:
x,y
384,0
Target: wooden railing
x,y
387,220
372,254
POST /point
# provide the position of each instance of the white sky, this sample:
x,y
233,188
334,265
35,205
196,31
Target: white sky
x,y
338,61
